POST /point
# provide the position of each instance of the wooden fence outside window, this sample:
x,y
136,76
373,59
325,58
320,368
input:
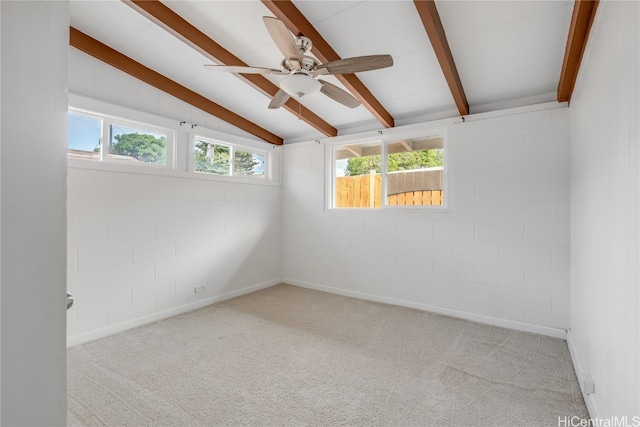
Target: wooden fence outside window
x,y
405,188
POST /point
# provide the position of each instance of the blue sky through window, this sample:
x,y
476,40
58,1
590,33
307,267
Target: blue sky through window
x,y
84,132
341,165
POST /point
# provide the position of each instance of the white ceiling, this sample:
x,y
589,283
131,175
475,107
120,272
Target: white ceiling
x,y
508,53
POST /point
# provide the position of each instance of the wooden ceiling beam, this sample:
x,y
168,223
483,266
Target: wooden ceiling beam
x,y
584,12
406,145
356,150
166,18
296,22
110,56
433,26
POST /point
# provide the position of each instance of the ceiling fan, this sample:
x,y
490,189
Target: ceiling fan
x,y
302,71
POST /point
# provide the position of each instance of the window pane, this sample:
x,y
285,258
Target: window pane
x,y
415,172
247,163
358,179
137,146
84,136
211,158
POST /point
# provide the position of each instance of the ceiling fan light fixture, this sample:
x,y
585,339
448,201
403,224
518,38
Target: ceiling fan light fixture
x,y
300,85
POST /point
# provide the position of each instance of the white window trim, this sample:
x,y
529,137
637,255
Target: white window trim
x,y
385,137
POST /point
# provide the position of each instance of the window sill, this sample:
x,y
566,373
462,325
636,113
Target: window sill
x,y
394,209
156,170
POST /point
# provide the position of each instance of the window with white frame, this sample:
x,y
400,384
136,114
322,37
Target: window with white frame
x,y
93,136
218,158
390,172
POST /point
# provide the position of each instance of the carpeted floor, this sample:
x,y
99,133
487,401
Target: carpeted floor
x,y
288,356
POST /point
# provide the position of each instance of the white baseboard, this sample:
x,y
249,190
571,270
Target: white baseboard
x,y
494,321
590,400
144,320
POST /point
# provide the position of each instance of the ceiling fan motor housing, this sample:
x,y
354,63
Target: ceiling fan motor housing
x,y
304,64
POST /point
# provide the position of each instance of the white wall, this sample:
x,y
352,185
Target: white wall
x,y
605,218
501,256
33,231
139,243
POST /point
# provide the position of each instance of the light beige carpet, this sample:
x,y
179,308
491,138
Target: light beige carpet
x,y
287,356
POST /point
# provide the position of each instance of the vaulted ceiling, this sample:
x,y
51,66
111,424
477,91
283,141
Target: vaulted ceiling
x,y
451,58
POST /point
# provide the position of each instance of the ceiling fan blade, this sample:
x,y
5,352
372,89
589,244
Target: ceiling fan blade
x,y
279,99
337,94
238,69
282,38
356,64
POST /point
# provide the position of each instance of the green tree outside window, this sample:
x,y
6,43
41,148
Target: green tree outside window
x,y
245,163
395,162
210,158
143,147
213,158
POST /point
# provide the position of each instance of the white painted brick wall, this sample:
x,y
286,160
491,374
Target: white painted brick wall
x,y
139,248
502,252
605,213
103,256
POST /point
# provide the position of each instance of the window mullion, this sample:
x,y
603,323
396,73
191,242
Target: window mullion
x,y
383,172
232,160
105,141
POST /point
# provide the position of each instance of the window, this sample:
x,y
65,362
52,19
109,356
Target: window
x,y
103,138
394,172
212,158
217,158
137,145
108,137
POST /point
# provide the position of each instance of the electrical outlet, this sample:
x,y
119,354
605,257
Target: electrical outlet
x,y
588,385
198,289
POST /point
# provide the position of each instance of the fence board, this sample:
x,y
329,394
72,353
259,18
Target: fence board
x,y
341,192
378,184
417,198
436,197
426,198
364,193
